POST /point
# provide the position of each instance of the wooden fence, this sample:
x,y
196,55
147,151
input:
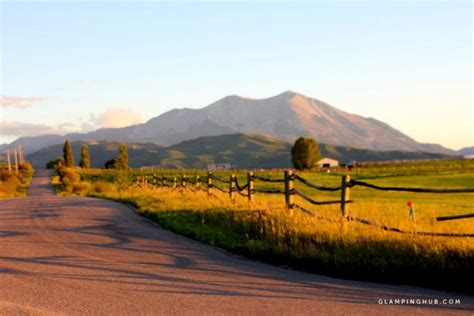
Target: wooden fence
x,y
208,183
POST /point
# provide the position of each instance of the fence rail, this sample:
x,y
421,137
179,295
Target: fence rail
x,y
453,217
248,190
419,190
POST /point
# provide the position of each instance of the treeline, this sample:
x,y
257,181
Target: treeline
x,y
119,162
65,167
305,154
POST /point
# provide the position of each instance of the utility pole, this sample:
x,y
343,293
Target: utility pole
x,y
9,162
16,160
20,154
1,166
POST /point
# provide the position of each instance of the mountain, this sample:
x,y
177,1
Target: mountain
x,y
286,116
466,151
247,151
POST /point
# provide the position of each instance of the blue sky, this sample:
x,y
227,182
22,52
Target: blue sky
x,y
78,66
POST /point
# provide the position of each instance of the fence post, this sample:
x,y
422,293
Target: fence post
x,y
345,196
209,182
232,187
250,185
183,181
289,189
174,182
163,181
198,182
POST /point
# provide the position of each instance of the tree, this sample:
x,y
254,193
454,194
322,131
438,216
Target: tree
x,y
305,153
68,155
114,163
119,162
123,157
56,163
85,162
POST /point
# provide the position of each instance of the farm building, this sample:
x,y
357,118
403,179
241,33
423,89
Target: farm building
x,y
328,163
220,166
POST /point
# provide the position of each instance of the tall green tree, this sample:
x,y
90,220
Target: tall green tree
x,y
85,162
123,157
305,153
68,155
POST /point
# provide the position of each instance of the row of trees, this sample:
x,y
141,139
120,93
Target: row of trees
x,y
118,162
68,156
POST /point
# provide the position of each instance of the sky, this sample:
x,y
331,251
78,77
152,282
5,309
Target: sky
x,y
79,66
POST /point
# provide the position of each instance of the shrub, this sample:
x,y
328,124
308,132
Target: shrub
x,y
10,184
115,163
56,163
26,168
68,178
102,187
81,187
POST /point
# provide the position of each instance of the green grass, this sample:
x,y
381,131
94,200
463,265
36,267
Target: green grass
x,y
265,230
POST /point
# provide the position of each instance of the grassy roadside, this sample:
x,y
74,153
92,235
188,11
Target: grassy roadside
x,y
13,185
265,230
272,235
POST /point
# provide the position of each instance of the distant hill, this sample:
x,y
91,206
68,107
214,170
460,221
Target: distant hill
x,y
466,151
246,151
286,116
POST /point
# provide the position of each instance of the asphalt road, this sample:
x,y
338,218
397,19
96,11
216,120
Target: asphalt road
x,y
82,255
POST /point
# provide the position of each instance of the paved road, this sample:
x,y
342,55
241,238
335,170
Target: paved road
x,y
90,256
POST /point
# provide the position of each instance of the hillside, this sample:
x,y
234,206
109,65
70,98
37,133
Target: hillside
x,y
286,116
466,151
243,150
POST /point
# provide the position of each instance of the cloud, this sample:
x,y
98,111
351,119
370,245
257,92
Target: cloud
x,y
114,117
18,129
111,117
18,102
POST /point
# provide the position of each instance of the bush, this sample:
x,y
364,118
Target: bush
x,y
113,163
102,187
26,168
81,187
10,184
68,178
56,163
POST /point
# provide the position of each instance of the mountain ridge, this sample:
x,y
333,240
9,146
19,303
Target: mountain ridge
x,y
287,115
244,150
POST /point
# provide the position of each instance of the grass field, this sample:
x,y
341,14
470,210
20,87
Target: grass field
x,y
265,230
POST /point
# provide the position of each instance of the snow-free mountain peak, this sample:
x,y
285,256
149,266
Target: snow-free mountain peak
x,y
287,115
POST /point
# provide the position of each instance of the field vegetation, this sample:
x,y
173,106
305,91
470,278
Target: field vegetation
x,y
267,231
16,185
